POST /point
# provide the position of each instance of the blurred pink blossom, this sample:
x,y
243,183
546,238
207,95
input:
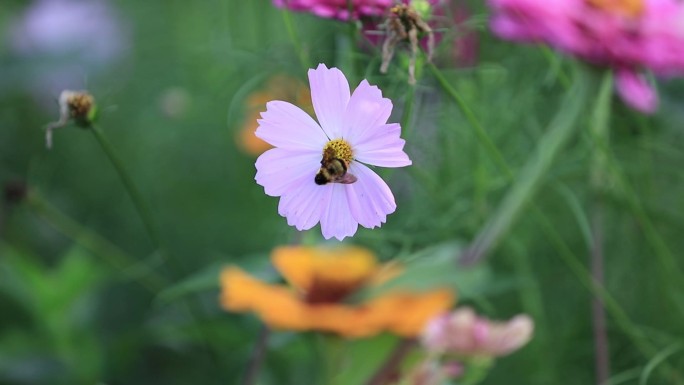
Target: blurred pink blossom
x,y
464,333
630,36
60,42
338,9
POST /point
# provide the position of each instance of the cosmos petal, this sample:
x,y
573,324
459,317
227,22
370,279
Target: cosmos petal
x,y
329,95
370,199
382,148
287,126
304,205
337,220
279,169
367,110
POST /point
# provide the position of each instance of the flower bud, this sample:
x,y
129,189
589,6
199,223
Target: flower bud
x,y
76,106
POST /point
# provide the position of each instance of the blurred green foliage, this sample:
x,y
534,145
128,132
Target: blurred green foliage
x,y
85,298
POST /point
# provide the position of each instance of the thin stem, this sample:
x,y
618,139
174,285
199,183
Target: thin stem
x,y
144,213
598,318
139,203
257,357
479,131
93,242
294,39
600,129
407,114
389,368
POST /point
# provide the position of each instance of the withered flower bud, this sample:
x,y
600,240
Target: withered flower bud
x,y
76,106
404,24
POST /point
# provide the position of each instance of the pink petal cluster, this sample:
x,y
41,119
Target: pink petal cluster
x,y
289,169
630,36
464,333
338,9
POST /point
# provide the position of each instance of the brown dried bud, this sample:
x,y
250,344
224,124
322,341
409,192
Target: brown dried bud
x,y
404,24
76,106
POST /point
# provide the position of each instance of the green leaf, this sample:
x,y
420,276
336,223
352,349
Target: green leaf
x,y
435,267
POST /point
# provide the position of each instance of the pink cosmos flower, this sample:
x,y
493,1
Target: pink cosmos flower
x,y
464,333
628,35
319,169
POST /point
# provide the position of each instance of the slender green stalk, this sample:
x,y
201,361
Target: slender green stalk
x,y
294,38
599,127
407,114
93,242
555,63
479,131
144,213
129,185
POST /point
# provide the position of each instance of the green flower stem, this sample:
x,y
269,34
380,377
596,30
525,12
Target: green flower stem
x,y
407,113
479,131
531,175
144,213
94,242
294,38
138,202
599,127
257,357
555,64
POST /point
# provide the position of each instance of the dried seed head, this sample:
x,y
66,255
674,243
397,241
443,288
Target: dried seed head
x,y
404,24
76,106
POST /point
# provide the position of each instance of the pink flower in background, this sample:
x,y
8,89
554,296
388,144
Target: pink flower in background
x,y
629,35
464,333
59,43
338,9
319,169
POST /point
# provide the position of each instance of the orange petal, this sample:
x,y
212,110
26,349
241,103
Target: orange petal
x,y
276,305
348,321
280,308
246,139
406,313
340,266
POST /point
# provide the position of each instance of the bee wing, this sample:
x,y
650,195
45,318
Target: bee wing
x,y
346,179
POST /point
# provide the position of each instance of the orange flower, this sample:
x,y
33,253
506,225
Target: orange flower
x,y
279,87
321,280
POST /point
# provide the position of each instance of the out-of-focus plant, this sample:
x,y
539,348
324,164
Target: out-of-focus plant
x,y
323,283
59,304
628,36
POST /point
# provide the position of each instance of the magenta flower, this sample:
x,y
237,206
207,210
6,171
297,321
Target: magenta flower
x,y
319,169
629,36
338,9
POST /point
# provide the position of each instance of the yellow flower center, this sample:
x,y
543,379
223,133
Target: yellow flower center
x,y
340,148
630,8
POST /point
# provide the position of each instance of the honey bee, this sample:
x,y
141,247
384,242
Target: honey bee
x,y
333,170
